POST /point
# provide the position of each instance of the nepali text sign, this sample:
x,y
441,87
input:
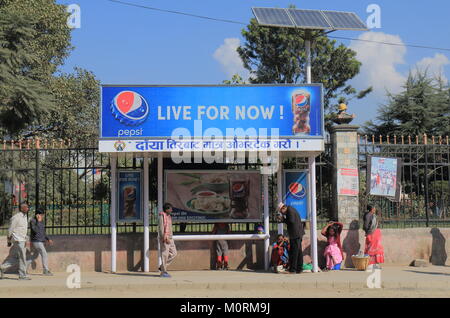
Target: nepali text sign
x,y
161,112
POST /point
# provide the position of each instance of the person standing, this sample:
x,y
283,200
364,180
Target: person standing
x,y
168,249
38,239
17,237
221,246
373,246
290,216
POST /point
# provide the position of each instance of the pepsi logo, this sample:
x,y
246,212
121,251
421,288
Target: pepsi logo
x,y
130,108
301,100
297,190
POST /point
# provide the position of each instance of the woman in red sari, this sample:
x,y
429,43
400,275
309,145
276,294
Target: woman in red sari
x,y
373,239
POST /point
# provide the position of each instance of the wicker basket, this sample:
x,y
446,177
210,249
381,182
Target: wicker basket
x,y
360,263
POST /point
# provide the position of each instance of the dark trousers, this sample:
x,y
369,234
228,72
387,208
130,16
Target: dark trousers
x,y
295,255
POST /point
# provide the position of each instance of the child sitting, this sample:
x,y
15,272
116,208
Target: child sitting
x,y
333,252
280,252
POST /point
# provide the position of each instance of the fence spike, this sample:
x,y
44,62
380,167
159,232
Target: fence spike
x,y
4,144
417,140
447,140
403,140
37,143
373,139
409,139
432,140
46,143
366,139
381,139
20,144
387,137
425,139
12,144
395,139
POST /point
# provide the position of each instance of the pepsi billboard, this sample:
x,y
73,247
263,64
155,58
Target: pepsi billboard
x,y
296,191
160,112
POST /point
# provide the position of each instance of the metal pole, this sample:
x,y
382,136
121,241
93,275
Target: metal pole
x,y
313,221
280,191
146,217
308,55
266,220
38,172
426,186
160,198
113,205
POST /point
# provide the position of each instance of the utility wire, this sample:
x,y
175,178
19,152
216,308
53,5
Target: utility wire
x,y
242,23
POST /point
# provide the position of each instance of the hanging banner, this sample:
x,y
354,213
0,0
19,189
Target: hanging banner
x,y
348,182
295,191
384,177
214,195
129,191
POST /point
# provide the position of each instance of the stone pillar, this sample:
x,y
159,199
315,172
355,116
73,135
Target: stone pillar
x,y
345,156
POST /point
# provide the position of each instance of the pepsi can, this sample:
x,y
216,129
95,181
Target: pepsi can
x,y
301,106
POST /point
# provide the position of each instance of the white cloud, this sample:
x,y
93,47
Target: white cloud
x,y
379,62
229,58
433,65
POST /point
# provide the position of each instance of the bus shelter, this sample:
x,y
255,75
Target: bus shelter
x,y
204,124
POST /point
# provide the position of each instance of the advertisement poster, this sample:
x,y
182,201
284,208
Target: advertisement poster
x,y
145,112
214,195
129,196
348,182
296,191
385,176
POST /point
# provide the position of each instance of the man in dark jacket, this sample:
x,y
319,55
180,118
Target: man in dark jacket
x,y
38,238
290,216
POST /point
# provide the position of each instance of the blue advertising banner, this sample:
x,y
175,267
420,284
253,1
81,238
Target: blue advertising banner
x,y
130,203
296,191
139,112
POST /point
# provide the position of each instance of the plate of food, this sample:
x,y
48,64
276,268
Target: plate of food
x,y
209,202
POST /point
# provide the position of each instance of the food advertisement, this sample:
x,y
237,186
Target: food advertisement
x,y
214,196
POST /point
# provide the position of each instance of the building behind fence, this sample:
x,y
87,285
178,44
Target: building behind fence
x,y
73,184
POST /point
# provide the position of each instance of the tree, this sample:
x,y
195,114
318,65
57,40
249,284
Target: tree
x,y
77,115
423,107
23,98
277,55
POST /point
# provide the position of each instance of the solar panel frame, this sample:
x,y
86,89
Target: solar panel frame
x,y
341,20
262,17
324,24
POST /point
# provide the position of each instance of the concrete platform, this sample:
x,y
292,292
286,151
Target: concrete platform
x,y
432,281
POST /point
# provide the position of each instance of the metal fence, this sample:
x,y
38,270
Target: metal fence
x,y
73,186
425,180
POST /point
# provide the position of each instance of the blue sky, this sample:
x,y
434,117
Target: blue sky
x,y
129,45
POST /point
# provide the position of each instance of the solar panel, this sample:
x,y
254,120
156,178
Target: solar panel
x,y
273,17
344,20
309,19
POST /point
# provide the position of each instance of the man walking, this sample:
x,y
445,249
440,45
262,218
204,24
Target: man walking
x,y
290,216
17,236
38,238
168,249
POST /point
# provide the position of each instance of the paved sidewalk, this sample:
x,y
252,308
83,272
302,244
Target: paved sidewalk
x,y
432,281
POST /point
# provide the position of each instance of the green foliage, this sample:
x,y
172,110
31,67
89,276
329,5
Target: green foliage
x,y
277,55
423,107
23,97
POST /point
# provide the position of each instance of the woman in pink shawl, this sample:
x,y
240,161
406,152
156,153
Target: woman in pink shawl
x,y
333,252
